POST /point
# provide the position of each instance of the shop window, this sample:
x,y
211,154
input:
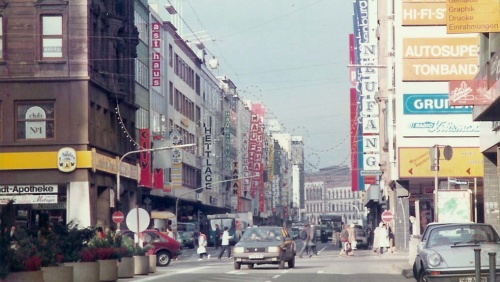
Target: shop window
x,y
52,37
35,120
1,38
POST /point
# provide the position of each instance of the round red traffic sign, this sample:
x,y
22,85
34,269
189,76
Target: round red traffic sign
x,y
118,217
387,216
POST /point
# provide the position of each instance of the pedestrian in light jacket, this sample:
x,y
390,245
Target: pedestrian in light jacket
x,y
225,243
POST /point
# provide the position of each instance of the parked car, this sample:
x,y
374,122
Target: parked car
x,y
448,253
265,245
361,239
165,248
422,239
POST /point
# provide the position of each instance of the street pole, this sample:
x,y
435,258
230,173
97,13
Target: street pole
x,y
436,185
194,190
135,152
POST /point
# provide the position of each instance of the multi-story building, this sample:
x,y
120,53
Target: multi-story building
x,y
329,191
67,109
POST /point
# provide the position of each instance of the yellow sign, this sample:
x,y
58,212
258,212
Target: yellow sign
x,y
416,163
472,16
440,48
439,69
422,14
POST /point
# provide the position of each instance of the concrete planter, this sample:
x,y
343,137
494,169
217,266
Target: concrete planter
x,y
108,270
126,267
141,265
24,276
85,271
58,273
152,263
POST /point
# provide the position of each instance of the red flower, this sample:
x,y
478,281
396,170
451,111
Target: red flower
x,y
33,263
87,255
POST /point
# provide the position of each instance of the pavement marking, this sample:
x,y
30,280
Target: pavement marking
x,y
276,276
172,273
320,272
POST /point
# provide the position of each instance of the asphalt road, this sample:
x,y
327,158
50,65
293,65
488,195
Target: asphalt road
x,y
365,265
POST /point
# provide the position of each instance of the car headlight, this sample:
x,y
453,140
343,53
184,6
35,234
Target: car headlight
x,y
434,259
238,250
273,249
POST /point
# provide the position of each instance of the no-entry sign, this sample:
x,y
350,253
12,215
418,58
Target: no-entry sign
x,y
387,216
117,217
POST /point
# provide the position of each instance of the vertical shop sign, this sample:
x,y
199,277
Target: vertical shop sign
x,y
145,159
156,55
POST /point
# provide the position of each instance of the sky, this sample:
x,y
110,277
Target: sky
x,y
291,55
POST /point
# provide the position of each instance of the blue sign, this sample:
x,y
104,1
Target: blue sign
x,y
431,104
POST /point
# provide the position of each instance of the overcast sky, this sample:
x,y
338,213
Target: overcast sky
x,y
292,55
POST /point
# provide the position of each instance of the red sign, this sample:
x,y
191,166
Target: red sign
x,y
118,217
387,216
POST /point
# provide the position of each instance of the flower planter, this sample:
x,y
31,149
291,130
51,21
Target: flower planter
x,y
85,271
141,265
58,273
24,276
108,269
152,263
126,267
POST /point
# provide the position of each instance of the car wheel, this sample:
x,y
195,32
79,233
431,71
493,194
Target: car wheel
x,y
250,266
237,265
422,277
282,264
163,258
291,263
414,268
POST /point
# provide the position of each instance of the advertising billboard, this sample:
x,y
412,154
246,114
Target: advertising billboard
x,y
416,163
478,16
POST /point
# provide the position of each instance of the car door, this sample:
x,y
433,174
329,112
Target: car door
x,y
288,244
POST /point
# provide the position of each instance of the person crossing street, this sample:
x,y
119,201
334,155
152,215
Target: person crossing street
x,y
225,243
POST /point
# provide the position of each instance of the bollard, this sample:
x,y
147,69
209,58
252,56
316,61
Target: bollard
x,y
477,256
493,267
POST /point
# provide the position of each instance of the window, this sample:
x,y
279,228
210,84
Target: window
x,y
35,120
52,37
1,38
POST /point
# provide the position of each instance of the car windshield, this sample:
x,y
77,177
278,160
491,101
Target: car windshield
x,y
262,234
462,234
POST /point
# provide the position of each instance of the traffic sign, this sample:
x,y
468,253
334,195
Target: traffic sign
x,y
387,216
118,217
137,220
370,172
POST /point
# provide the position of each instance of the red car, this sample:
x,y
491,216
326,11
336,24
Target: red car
x,y
165,248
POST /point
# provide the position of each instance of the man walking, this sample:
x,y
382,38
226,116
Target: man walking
x,y
225,243
217,236
306,240
312,242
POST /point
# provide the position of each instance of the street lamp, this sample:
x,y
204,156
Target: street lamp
x,y
192,191
135,152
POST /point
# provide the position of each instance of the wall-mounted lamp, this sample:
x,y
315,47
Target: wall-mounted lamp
x,y
170,9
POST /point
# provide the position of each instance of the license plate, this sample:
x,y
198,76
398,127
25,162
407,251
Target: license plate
x,y
471,279
255,256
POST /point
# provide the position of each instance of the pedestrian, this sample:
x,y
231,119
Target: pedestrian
x,y
312,242
217,237
344,238
392,244
99,232
202,246
225,243
369,235
383,238
352,239
376,237
305,239
170,233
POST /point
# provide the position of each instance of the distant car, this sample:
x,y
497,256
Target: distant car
x,y
186,238
448,253
361,239
265,245
165,248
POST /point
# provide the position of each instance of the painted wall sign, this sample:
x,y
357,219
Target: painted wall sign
x,y
472,16
28,189
424,14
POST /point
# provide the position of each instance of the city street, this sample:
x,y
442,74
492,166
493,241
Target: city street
x,y
328,266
